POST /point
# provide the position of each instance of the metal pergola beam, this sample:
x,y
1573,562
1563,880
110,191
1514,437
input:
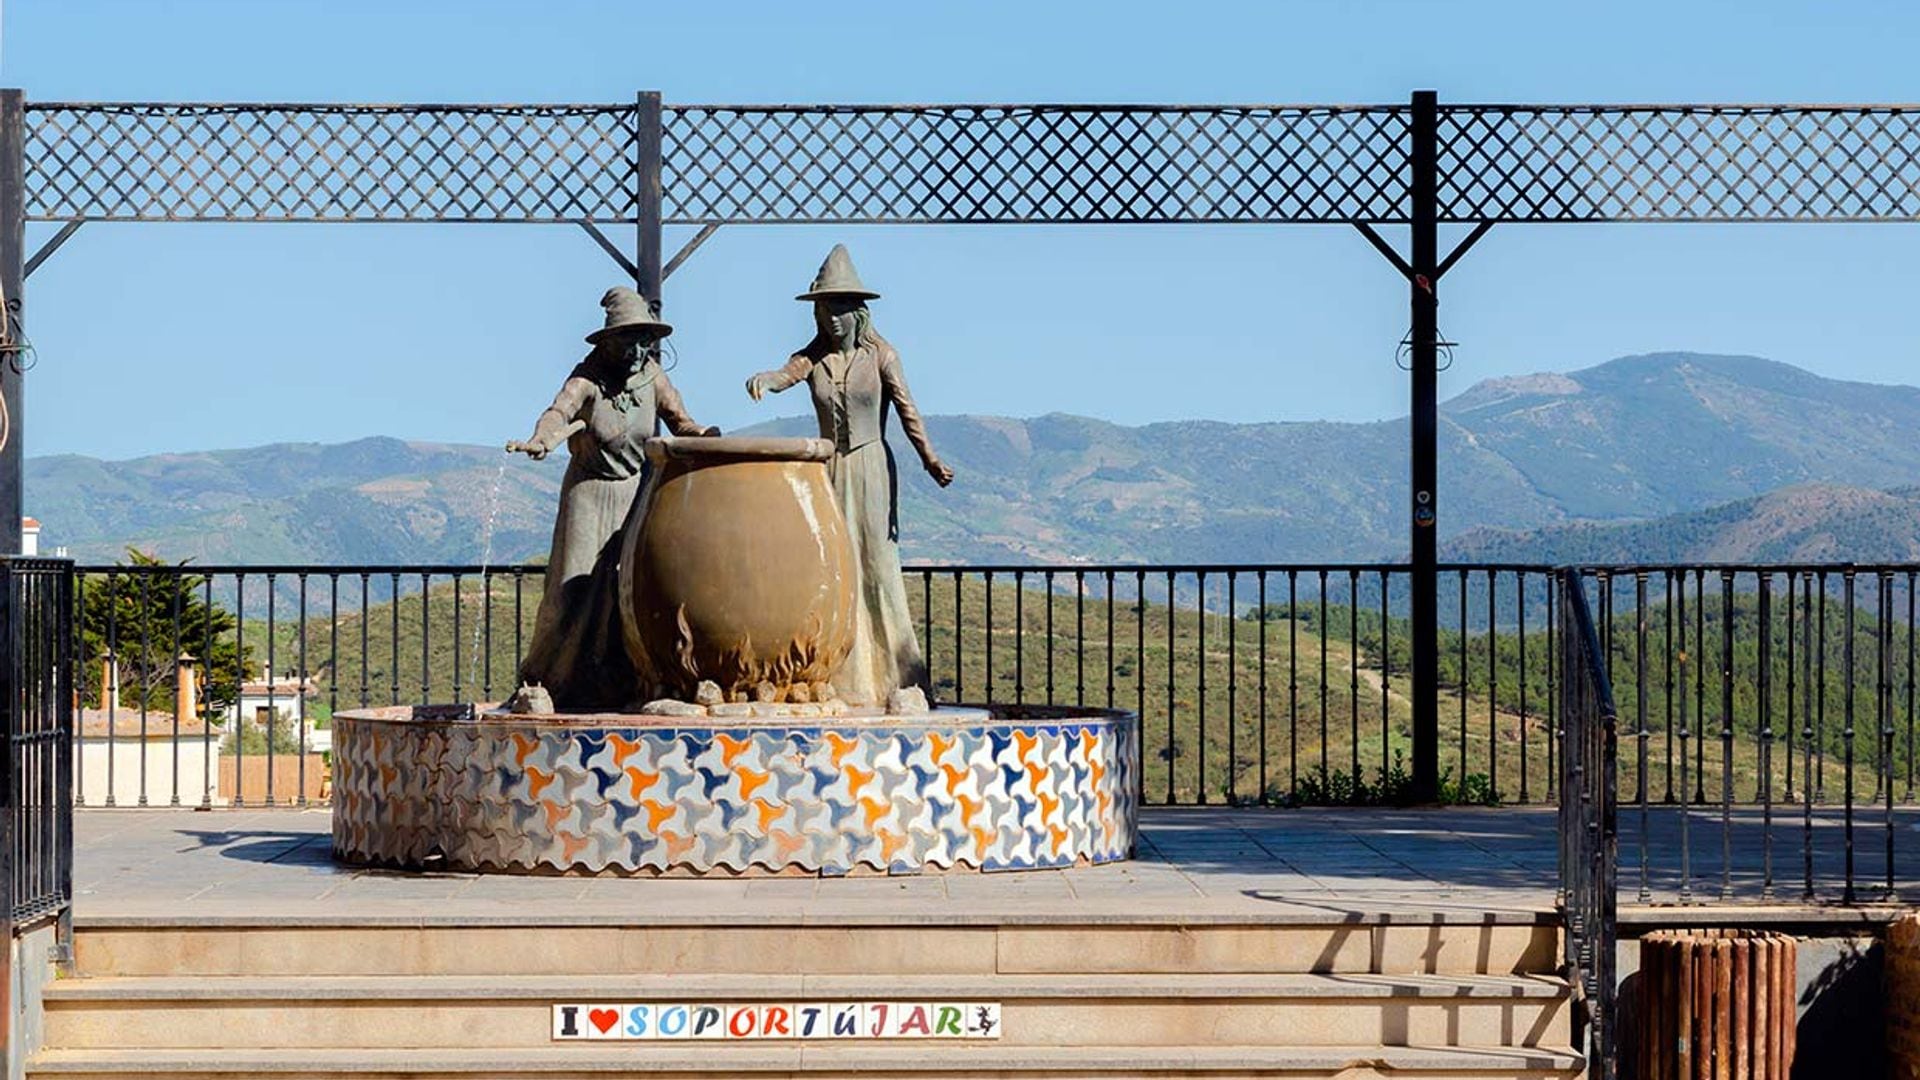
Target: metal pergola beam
x,y
52,245
967,163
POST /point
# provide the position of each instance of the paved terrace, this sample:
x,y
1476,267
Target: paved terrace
x,y
1194,865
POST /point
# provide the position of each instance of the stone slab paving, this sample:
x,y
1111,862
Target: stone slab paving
x,y
241,866
1194,865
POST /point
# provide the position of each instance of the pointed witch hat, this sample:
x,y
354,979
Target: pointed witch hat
x,y
627,310
837,278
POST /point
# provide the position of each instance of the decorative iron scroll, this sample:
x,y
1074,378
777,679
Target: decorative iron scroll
x,y
968,163
1679,163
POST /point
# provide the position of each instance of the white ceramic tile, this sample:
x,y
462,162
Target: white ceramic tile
x,y
673,1020
742,1021
813,1020
898,1015
949,1020
983,1020
602,1021
637,1021
847,1020
709,1022
777,1021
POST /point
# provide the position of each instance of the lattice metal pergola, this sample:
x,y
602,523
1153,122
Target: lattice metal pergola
x,y
648,164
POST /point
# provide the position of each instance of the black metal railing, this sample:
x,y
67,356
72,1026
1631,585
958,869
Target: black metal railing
x,y
1256,684
36,770
1588,823
273,652
1261,684
1768,748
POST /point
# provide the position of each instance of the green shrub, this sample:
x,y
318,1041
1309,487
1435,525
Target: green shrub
x,y
1392,787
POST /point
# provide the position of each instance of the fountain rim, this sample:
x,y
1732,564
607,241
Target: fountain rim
x,y
715,449
945,716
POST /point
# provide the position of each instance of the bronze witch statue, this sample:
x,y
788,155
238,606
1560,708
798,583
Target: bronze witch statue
x,y
604,413
855,377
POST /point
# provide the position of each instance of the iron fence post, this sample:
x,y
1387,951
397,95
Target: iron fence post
x,y
9,787
1589,826
1423,195
63,802
13,240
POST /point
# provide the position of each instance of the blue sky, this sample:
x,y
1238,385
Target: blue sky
x,y
178,337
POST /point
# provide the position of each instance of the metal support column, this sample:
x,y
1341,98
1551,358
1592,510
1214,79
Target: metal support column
x,y
13,246
1423,193
649,238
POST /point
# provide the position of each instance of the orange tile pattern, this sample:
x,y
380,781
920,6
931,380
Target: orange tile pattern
x,y
1051,788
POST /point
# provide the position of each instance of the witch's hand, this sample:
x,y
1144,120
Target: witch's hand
x,y
941,472
533,448
758,385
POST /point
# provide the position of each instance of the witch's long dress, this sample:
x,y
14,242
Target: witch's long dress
x,y
577,650
851,396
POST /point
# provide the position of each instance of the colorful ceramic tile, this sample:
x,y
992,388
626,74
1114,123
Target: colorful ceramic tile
x,y
1051,789
805,1020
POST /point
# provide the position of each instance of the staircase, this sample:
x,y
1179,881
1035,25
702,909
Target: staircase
x,y
1351,997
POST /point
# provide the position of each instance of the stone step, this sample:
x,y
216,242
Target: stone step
x,y
1452,944
878,1062
1037,1010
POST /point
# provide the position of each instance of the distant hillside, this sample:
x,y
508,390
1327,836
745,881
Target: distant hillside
x,y
1805,523
374,500
1645,436
1636,438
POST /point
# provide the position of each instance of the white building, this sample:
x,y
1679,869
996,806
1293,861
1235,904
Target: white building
x,y
119,754
286,695
162,757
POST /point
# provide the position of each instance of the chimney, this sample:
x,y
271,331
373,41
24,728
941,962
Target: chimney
x,y
29,537
109,680
186,696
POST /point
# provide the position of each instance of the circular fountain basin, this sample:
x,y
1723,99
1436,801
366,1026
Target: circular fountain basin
x,y
973,788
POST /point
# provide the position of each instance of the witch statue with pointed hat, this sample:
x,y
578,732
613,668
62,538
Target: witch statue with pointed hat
x,y
855,378
604,412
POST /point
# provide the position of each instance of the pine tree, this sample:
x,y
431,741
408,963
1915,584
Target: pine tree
x,y
149,620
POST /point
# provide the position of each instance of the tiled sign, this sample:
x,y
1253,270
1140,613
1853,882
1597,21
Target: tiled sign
x,y
644,1021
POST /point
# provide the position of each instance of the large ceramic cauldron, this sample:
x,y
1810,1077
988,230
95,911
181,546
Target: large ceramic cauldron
x,y
738,568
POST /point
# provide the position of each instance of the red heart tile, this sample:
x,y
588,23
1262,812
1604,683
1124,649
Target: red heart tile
x,y
604,1019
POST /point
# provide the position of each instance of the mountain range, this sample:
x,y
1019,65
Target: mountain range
x,y
1667,455
1805,523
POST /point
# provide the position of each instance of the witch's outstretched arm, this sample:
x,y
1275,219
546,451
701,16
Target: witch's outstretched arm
x,y
559,420
674,411
772,382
